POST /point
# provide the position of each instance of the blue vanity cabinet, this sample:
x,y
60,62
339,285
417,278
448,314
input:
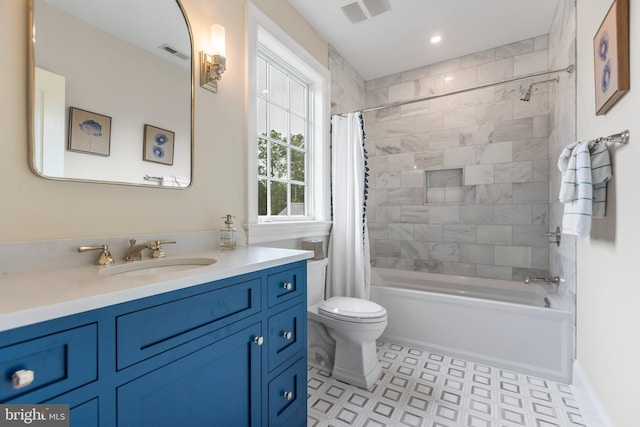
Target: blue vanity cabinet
x,y
226,353
59,361
286,356
84,408
216,385
63,356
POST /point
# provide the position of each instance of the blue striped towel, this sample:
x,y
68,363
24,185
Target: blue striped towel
x,y
567,165
600,174
576,190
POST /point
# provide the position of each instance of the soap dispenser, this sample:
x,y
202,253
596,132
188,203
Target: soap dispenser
x,y
228,234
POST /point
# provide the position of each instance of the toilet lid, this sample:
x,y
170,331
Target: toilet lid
x,y
355,308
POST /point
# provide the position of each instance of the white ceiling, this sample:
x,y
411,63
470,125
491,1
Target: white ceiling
x,y
398,40
147,24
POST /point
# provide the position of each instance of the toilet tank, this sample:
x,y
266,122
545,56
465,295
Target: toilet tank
x,y
316,271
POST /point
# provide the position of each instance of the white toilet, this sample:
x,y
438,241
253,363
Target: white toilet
x,y
342,331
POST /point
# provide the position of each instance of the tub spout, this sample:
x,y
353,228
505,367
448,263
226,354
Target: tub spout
x,y
554,280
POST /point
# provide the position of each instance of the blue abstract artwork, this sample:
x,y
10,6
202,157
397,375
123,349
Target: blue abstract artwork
x,y
89,133
158,145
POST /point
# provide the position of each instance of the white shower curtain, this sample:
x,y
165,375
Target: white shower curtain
x,y
349,270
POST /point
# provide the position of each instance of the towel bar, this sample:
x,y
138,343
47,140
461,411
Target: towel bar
x,y
621,138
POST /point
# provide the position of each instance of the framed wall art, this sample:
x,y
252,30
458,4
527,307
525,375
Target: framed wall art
x,y
611,57
158,145
89,132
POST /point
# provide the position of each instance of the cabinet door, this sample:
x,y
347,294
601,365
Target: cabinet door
x,y
218,385
85,415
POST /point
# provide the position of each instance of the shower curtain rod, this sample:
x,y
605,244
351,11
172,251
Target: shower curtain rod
x,y
568,69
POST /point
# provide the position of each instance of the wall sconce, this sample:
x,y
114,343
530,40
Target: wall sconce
x,y
213,64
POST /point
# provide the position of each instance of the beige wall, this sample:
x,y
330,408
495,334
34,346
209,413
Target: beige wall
x,y
608,284
287,18
34,208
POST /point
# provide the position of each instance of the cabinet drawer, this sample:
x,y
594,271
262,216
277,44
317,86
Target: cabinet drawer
x,y
147,332
286,285
61,361
287,394
286,334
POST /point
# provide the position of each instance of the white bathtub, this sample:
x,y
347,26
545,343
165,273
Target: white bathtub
x,y
496,322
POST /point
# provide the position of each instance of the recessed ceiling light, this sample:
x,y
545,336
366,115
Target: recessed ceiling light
x,y
435,39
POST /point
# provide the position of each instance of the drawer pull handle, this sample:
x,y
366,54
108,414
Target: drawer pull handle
x,y
288,286
22,378
288,395
287,335
258,340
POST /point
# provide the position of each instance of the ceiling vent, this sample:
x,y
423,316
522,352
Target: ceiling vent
x,y
376,7
167,48
361,10
354,12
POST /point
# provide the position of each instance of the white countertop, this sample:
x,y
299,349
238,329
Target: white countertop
x,y
28,298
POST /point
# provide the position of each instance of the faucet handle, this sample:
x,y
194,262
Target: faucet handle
x,y
557,236
555,280
158,250
105,257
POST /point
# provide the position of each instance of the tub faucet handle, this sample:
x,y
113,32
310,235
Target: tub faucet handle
x,y
553,280
555,236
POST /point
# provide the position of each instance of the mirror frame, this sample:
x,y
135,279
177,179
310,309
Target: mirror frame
x,y
31,66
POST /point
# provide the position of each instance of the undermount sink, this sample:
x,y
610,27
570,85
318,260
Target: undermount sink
x,y
156,266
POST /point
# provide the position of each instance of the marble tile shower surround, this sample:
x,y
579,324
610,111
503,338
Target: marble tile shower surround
x,y
500,144
347,86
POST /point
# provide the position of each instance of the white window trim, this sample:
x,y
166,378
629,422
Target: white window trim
x,y
274,231
281,44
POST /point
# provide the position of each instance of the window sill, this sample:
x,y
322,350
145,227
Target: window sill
x,y
274,231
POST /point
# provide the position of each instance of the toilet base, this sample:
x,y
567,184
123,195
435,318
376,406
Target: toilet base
x,y
356,363
321,347
365,381
347,349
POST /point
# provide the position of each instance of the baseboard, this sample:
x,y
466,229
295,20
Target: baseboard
x,y
591,408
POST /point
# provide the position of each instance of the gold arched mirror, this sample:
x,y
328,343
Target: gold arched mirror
x,y
111,91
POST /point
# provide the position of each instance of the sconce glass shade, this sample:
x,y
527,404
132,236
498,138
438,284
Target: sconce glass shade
x,y
213,63
218,45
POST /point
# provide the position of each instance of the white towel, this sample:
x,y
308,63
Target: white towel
x,y
578,209
600,175
567,166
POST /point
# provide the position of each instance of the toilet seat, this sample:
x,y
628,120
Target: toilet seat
x,y
352,310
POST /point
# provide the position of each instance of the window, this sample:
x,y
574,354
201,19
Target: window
x,y
288,136
282,139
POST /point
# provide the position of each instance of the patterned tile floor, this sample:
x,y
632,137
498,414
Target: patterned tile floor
x,y
419,388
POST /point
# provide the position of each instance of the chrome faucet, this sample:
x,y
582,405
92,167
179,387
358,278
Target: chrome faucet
x,y
135,251
554,280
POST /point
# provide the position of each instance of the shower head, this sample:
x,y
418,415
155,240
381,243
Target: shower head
x,y
526,94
